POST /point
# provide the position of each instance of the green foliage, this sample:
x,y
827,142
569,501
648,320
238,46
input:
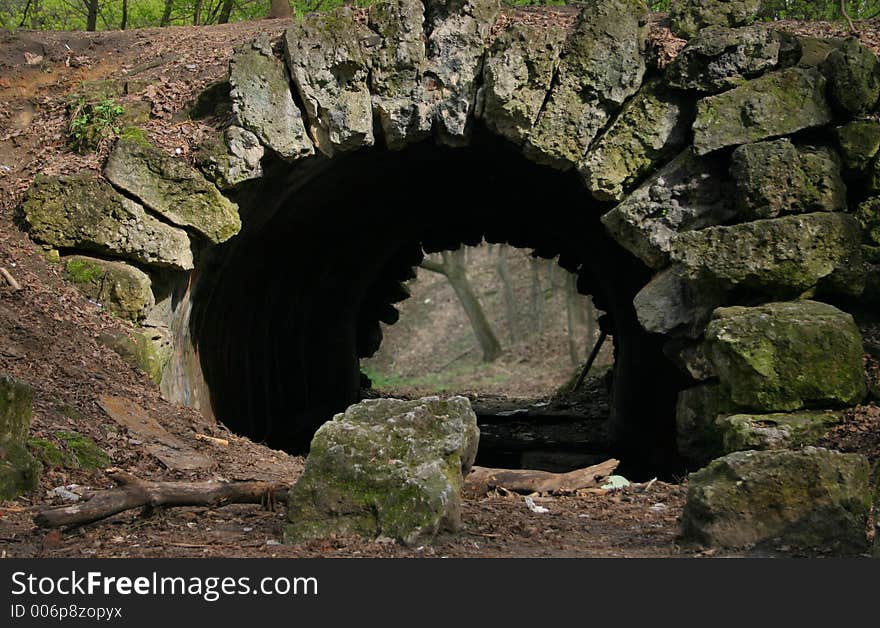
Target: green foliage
x,y
92,122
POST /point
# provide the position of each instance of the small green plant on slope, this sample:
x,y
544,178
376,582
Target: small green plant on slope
x,y
90,123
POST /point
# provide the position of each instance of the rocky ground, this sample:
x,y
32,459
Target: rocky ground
x,y
49,332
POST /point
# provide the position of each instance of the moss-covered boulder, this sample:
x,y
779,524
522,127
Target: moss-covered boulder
x,y
777,177
688,193
696,432
689,17
85,213
779,103
385,467
331,71
262,102
122,289
651,128
811,498
785,256
458,34
231,157
396,64
517,75
785,356
868,215
172,188
19,470
853,74
859,142
741,432
721,58
601,66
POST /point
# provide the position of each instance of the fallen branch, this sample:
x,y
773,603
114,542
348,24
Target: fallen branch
x,y
481,480
132,492
10,279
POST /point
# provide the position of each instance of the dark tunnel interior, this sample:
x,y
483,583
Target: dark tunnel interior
x,y
283,312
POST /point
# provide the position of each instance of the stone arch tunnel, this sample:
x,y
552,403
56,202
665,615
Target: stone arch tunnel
x,y
722,210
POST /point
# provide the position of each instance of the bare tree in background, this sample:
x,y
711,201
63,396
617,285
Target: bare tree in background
x,y
454,268
503,269
537,296
124,22
166,14
91,15
225,12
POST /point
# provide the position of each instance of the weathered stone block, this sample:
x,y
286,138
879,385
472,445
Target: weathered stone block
x,y
868,215
721,58
777,177
396,68
385,467
780,357
262,102
689,17
651,128
517,75
779,103
173,189
122,289
601,66
459,31
783,256
811,498
672,303
231,158
853,74
859,142
82,212
740,432
331,73
688,193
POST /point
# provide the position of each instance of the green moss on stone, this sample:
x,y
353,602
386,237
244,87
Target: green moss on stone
x,y
782,357
88,455
50,454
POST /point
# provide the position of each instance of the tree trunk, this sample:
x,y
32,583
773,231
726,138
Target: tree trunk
x,y
225,12
197,13
509,297
92,17
124,21
453,268
166,14
571,306
537,296
280,8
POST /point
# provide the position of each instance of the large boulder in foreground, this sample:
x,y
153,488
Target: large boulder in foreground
x,y
780,357
810,498
19,471
386,467
853,74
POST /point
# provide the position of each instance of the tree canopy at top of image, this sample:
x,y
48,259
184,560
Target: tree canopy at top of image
x,y
116,14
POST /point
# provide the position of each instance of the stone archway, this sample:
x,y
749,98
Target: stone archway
x,y
726,179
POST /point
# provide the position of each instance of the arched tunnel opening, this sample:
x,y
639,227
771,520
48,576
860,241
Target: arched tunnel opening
x,y
284,312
